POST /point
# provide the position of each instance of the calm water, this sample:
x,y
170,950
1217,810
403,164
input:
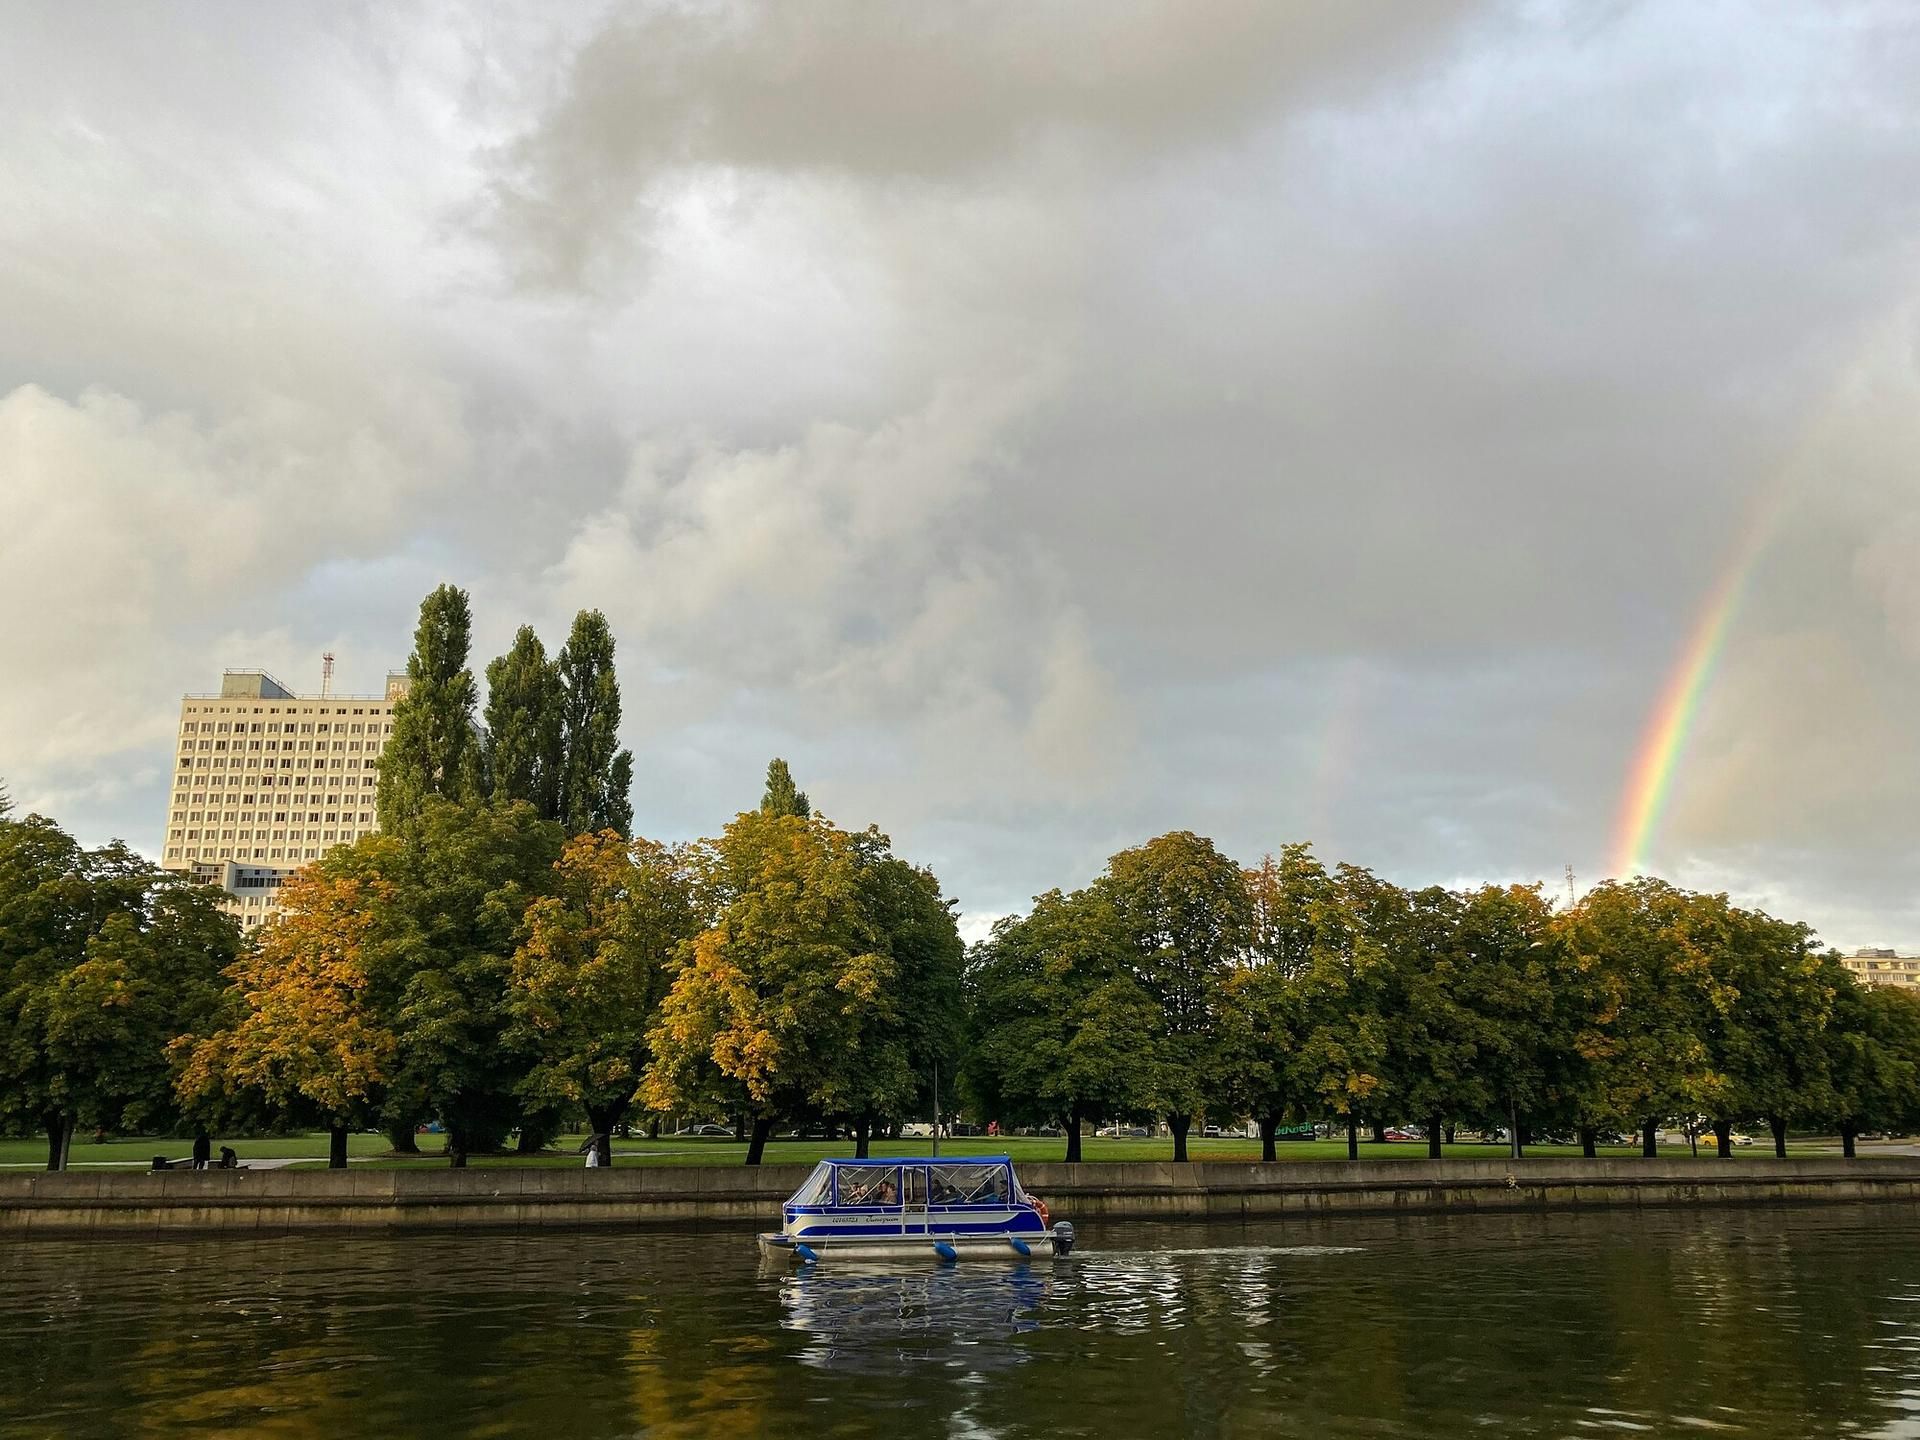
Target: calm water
x,y
1758,1323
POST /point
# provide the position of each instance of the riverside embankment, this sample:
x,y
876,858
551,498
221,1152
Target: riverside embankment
x,y
511,1198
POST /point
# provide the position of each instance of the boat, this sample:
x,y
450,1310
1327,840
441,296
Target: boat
x,y
942,1209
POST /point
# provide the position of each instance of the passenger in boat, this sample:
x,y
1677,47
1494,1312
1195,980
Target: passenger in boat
x,y
889,1195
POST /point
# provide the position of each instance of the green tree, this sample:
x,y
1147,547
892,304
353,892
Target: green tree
x,y
788,1002
432,752
1763,1008
461,881
1061,1029
1630,967
922,1026
104,958
597,775
1504,1023
589,975
782,796
1871,1051
1184,911
525,746
1343,1052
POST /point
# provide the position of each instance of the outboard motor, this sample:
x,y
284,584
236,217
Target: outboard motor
x,y
1063,1237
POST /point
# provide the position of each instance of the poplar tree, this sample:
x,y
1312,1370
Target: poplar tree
x,y
525,754
782,796
596,774
432,751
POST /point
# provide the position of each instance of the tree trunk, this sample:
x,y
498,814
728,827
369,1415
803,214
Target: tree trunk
x,y
457,1147
400,1138
1379,1132
1178,1125
1778,1124
337,1147
1587,1150
603,1119
739,1127
757,1141
862,1138
1268,1124
1433,1138
653,1128
1650,1139
57,1132
1353,1138
1073,1138
1723,1139
1515,1150
1449,1134
1846,1139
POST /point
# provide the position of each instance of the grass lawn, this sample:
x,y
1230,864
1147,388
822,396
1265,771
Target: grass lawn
x,y
138,1153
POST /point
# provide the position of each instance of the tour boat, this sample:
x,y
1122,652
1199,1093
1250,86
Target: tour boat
x,y
971,1208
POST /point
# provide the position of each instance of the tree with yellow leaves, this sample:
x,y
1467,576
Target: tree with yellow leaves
x,y
305,1032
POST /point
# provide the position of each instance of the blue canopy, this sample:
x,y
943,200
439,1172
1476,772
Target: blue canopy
x,y
926,1160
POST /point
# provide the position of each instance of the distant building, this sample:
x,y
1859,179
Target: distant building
x,y
1883,967
265,780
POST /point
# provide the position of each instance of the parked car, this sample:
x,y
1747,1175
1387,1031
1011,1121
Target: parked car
x,y
703,1130
1403,1135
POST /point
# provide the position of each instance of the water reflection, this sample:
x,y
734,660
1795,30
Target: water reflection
x,y
1772,1323
873,1318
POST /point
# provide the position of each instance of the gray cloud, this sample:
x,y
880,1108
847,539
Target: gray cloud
x,y
1044,425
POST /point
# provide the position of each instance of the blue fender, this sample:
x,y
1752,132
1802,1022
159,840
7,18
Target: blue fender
x,y
806,1253
1024,1250
946,1252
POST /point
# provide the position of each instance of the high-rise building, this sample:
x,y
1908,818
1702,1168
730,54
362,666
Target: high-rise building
x,y
1883,967
265,780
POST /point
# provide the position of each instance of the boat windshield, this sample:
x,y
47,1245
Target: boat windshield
x,y
818,1188
967,1184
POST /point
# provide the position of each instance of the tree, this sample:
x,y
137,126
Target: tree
x,y
311,1032
1061,1030
597,776
779,1002
525,746
589,975
1627,956
1183,909
1871,1055
782,796
1765,1004
1501,981
432,752
922,1026
1436,1036
459,883
1342,1055
104,958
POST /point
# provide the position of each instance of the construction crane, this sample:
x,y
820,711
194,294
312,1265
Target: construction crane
x,y
326,674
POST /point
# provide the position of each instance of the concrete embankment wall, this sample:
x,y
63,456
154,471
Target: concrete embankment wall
x,y
255,1201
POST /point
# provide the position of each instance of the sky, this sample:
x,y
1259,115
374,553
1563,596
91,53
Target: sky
x,y
1477,439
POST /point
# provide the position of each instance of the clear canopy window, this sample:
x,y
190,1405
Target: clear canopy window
x,y
817,1189
869,1184
967,1184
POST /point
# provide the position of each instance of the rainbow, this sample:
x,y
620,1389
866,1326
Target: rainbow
x,y
1663,742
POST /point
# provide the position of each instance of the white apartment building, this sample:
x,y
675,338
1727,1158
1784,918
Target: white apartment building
x,y
1883,967
265,780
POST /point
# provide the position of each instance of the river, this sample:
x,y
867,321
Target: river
x,y
1764,1322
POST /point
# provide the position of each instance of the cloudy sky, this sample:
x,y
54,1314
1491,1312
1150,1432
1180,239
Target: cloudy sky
x,y
1045,425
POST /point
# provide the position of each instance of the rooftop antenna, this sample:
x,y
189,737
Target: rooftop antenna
x,y
326,674
1571,901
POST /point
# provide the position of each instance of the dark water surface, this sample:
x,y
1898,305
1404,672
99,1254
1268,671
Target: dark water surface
x,y
1749,1322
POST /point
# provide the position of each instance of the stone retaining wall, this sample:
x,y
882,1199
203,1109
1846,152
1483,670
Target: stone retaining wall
x,y
103,1202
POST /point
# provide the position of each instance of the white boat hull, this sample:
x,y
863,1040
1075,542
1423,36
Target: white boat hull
x,y
918,1246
